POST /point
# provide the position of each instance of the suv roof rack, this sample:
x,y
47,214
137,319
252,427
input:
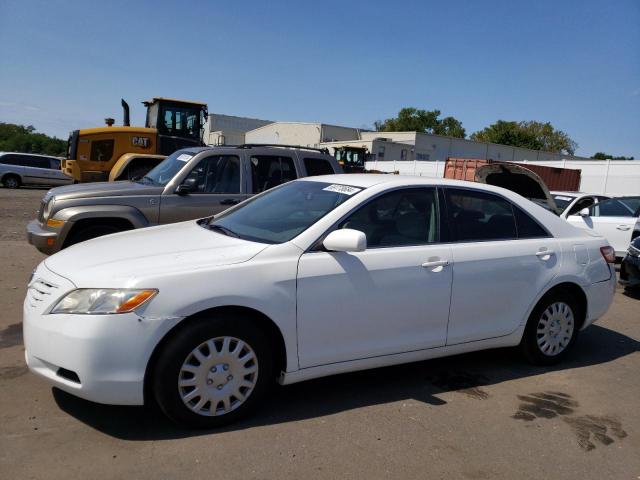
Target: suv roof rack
x,y
300,147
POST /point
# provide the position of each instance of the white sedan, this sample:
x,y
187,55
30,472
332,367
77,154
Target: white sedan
x,y
616,219
572,202
316,277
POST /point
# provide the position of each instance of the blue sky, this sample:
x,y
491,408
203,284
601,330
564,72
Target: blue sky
x,y
65,65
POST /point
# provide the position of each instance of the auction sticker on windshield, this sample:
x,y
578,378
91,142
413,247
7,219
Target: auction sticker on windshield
x,y
184,157
345,189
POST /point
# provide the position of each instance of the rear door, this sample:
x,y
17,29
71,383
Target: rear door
x,y
37,170
217,180
502,258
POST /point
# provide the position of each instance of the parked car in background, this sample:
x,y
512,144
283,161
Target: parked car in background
x,y
570,203
615,219
18,169
630,268
190,183
316,277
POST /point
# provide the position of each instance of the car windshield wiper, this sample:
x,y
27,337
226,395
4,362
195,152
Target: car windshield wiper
x,y
223,230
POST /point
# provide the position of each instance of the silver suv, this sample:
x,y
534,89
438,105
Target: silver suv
x,y
17,169
191,183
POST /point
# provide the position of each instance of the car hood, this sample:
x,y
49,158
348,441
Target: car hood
x,y
102,189
120,259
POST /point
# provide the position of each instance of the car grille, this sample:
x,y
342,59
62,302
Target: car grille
x,y
41,294
633,251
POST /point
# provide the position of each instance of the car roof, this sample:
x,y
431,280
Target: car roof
x,y
30,154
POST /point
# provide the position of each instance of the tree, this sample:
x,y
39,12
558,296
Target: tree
x,y
411,119
533,135
20,138
606,156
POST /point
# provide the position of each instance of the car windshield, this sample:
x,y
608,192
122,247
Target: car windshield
x,y
167,169
562,201
282,213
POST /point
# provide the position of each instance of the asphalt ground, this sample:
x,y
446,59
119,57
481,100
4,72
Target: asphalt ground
x,y
475,416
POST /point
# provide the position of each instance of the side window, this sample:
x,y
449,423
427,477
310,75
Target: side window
x,y
270,171
317,166
580,204
19,160
399,218
39,162
216,174
527,226
610,208
55,163
101,150
480,216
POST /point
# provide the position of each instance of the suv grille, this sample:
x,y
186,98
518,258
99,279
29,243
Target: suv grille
x,y
41,212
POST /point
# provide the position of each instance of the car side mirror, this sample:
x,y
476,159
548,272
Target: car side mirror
x,y
584,212
346,240
189,186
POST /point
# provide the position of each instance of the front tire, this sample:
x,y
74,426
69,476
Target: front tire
x,y
212,372
552,329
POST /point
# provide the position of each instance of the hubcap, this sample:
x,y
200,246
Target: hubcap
x,y
11,183
218,376
555,328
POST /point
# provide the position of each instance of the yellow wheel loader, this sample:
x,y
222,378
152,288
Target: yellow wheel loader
x,y
126,152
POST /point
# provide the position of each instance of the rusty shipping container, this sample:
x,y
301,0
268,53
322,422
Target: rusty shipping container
x,y
563,179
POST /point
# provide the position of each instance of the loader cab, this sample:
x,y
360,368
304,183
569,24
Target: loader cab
x,y
351,159
179,123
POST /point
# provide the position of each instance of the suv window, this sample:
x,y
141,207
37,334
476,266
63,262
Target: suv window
x,y
611,208
580,204
399,218
479,216
101,150
317,166
270,171
55,163
216,174
38,162
19,160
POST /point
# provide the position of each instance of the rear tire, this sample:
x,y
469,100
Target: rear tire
x,y
201,382
11,181
552,329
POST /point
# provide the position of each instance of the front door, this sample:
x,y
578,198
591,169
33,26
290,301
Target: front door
x,y
216,181
501,258
391,298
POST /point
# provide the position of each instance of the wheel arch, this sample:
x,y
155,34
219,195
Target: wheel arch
x,y
12,174
575,290
261,320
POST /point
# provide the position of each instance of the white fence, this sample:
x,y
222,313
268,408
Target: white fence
x,y
612,177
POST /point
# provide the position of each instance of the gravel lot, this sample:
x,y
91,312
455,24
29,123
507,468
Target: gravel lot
x,y
476,416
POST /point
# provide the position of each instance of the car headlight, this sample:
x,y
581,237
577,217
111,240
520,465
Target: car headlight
x,y
46,211
103,300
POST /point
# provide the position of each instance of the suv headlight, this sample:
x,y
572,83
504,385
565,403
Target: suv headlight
x,y
103,300
46,211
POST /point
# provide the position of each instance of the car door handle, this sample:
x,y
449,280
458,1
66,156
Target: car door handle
x,y
624,228
436,263
545,253
229,201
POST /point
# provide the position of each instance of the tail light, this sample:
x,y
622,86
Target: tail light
x,y
608,253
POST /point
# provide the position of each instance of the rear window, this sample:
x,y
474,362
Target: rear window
x,y
270,171
317,166
527,226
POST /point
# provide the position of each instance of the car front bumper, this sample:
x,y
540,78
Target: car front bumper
x,y
102,358
47,241
630,271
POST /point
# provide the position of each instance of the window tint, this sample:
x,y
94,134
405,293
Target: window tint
x,y
270,171
55,163
317,166
180,121
403,217
477,216
101,150
527,226
18,160
611,208
38,162
216,174
580,204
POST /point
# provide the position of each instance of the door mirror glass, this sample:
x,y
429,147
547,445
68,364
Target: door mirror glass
x,y
346,240
584,212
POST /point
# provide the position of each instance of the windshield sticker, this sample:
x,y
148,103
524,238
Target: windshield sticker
x,y
184,157
344,189
566,199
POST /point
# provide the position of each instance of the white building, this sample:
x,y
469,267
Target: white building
x,y
228,129
304,134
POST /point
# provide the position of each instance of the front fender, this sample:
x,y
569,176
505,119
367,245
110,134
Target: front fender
x,y
71,215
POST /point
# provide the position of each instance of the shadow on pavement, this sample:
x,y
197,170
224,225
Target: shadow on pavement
x,y
421,381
